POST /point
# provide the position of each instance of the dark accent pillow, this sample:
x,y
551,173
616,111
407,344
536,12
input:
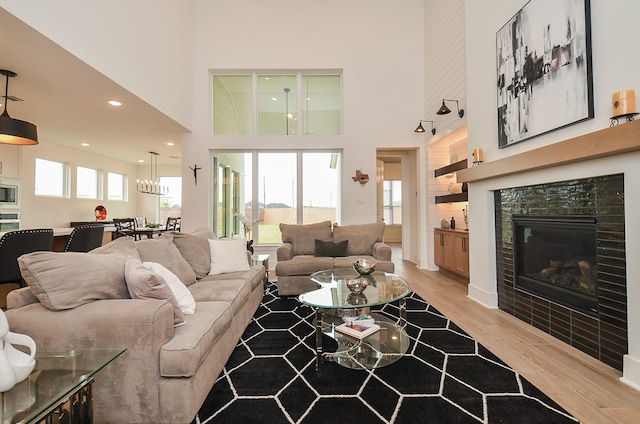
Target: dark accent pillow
x,y
328,248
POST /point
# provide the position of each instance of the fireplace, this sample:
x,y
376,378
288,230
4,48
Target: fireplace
x,y
555,257
562,223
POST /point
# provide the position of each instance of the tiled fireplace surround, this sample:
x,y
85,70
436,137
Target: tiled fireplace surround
x,y
605,335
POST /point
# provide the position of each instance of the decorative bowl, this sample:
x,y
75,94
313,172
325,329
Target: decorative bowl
x,y
364,266
356,285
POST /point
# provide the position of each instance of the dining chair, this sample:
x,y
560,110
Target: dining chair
x,y
19,242
84,238
173,224
125,227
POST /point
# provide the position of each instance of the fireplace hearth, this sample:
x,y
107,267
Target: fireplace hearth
x,y
555,258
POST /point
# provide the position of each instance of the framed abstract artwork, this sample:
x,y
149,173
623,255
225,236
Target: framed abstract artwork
x,y
544,77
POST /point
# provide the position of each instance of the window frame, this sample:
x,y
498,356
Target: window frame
x,y
63,183
98,185
301,112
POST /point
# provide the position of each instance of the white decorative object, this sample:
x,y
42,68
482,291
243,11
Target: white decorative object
x,y
15,365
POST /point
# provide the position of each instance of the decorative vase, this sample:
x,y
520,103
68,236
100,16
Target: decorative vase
x,y
15,365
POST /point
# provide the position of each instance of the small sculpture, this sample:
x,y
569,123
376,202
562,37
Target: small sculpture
x,y
361,178
15,365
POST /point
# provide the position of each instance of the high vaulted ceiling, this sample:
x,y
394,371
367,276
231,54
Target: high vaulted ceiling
x,y
67,100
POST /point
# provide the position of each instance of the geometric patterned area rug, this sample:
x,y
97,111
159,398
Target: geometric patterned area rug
x,y
445,377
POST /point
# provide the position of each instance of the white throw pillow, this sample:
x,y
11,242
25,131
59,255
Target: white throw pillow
x,y
228,255
180,291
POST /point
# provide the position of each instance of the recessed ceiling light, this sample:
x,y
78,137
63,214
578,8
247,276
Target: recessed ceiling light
x,y
85,144
170,143
274,99
141,160
115,103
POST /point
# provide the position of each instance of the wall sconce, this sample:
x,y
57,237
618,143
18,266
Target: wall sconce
x,y
361,178
420,129
478,156
445,110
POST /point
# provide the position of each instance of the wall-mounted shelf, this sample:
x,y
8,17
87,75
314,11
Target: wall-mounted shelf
x,y
450,198
449,169
457,166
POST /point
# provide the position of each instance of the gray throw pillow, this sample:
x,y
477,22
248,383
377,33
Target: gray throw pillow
x,y
163,251
66,280
331,249
303,237
194,248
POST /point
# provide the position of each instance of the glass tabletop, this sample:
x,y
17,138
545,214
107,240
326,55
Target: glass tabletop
x,y
57,374
344,288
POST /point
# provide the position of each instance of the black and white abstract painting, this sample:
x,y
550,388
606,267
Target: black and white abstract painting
x,y
544,76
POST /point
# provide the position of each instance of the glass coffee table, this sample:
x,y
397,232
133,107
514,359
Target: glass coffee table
x,y
58,390
333,300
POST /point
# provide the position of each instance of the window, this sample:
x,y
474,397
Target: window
x,y
51,178
86,183
269,187
116,186
392,202
171,204
285,103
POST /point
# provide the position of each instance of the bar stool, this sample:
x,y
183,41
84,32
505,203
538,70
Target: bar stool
x,y
16,243
84,238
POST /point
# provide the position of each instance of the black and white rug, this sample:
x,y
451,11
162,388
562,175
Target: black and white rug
x,y
445,377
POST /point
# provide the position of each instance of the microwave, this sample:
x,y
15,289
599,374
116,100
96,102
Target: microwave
x,y
9,193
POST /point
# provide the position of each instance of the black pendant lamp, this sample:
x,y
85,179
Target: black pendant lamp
x,y
15,131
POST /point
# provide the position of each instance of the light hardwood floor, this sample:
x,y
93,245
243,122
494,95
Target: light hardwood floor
x,y
585,387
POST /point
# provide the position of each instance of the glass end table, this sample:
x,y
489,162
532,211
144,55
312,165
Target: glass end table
x,y
337,298
58,389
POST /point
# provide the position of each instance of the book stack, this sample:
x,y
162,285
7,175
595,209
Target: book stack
x,y
358,327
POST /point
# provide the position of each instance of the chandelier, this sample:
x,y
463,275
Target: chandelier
x,y
152,186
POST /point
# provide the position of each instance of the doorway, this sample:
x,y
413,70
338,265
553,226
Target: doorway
x,y
398,208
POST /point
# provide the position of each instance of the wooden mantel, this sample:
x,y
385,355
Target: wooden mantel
x,y
619,139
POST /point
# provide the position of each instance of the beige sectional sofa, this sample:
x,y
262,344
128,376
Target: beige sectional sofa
x,y
308,248
82,300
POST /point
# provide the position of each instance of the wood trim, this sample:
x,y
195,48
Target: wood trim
x,y
616,140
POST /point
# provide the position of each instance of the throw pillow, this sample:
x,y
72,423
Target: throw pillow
x,y
66,280
361,237
146,284
121,246
303,237
328,248
180,291
163,251
228,255
194,248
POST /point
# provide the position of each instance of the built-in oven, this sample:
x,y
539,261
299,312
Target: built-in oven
x,y
9,220
9,193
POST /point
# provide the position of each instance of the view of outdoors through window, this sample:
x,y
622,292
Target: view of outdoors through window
x,y
270,188
287,103
392,202
171,204
50,178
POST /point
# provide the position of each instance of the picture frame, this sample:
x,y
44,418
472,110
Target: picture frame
x,y
544,69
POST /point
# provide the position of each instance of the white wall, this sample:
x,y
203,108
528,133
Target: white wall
x,y
143,45
377,44
445,78
614,69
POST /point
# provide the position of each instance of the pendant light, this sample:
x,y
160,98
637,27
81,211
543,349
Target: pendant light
x,y
153,185
15,131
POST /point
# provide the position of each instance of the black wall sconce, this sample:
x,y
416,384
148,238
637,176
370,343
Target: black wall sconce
x,y
445,110
421,129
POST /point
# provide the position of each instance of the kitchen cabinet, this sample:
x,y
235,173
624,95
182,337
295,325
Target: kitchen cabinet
x,y
451,251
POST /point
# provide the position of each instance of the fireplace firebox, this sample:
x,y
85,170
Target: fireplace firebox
x,y
556,259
